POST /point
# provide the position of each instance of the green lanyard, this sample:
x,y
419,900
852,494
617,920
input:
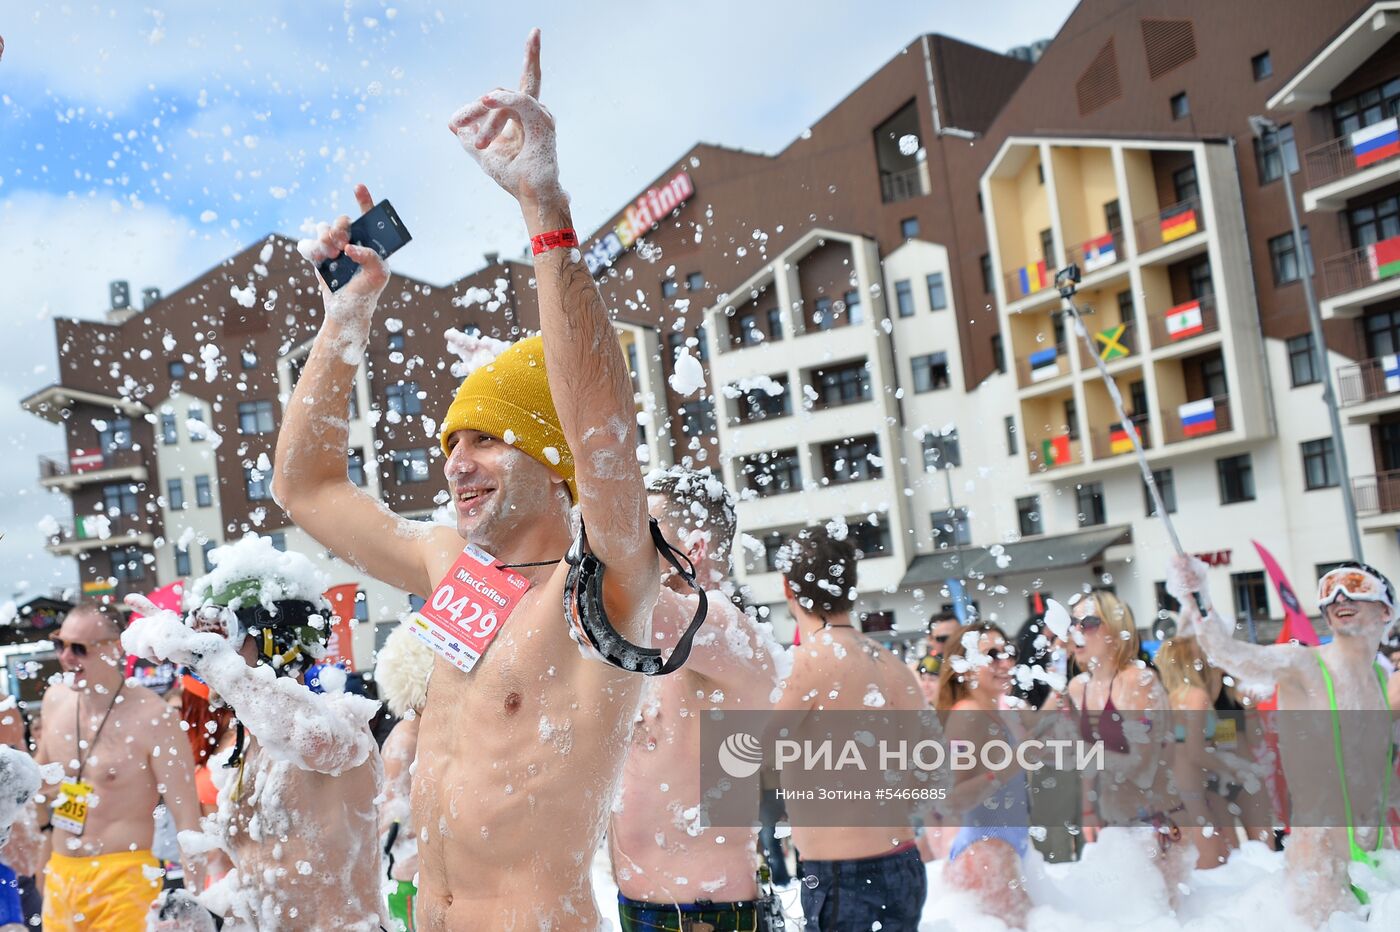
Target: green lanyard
x,y
1357,852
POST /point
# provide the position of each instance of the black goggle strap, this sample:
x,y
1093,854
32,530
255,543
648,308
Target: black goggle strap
x,y
236,757
583,606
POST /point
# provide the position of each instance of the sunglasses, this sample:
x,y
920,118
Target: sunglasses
x,y
1005,653
940,638
79,648
1087,623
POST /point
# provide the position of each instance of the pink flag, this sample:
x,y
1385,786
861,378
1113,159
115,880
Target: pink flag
x,y
1296,623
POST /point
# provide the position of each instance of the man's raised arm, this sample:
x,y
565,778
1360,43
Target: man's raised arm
x,y
512,136
310,479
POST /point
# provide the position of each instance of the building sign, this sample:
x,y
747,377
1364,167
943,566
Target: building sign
x,y
637,220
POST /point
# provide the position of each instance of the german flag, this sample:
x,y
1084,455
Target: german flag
x,y
1175,226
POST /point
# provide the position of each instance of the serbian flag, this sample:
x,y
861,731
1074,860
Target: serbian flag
x,y
1100,252
1033,277
1385,258
1055,451
1185,320
1198,417
1182,223
1044,364
1375,142
1119,441
1296,623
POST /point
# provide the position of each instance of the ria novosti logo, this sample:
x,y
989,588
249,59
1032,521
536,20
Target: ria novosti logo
x,y
741,755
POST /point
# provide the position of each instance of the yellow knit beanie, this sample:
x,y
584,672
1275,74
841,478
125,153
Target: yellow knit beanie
x,y
509,398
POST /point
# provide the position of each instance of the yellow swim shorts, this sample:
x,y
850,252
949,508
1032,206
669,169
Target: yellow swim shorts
x,y
101,893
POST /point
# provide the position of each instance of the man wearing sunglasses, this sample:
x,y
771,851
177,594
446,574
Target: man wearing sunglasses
x,y
1335,780
122,751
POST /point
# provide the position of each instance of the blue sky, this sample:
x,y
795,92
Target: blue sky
x,y
147,144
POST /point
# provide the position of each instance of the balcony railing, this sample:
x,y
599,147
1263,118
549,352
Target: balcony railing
x,y
1170,224
1053,452
902,185
60,465
1366,381
1098,253
1360,267
1107,344
1334,160
1378,494
1201,420
1178,323
90,530
1027,374
1024,281
1112,441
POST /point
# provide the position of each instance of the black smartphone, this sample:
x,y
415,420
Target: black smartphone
x,y
381,230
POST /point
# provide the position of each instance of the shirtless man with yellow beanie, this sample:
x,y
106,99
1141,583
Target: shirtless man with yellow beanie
x,y
518,759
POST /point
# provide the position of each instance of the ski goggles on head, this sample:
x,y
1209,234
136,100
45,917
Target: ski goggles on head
x,y
588,619
1359,582
929,664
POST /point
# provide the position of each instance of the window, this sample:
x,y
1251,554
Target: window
x,y
822,315
249,359
669,287
854,314
1213,375
674,342
941,451
1272,151
176,368
909,227
411,466
749,334
1373,222
203,493
127,564
1382,333
1166,602
206,549
198,433
182,560
168,434
354,397
772,545
1184,184
1181,107
1028,516
775,323
758,404
175,494
1125,306
1366,108
1071,419
772,473
950,528
1236,474
1302,363
698,418
1047,246
695,281
1199,280
355,467
255,417
403,399
702,349
1319,464
930,372
852,460
843,385
937,293
1011,445
119,499
904,298
999,353
279,541
1166,487
1089,499
115,435
256,482
1284,257
396,342
1040,173
1262,66
871,538
1251,595
986,262
1113,216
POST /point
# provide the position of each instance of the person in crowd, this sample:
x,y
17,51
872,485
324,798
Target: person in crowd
x,y
1357,601
297,798
1038,682
1120,701
853,878
122,752
943,627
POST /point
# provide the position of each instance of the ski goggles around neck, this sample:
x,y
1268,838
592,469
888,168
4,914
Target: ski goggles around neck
x,y
1359,582
588,619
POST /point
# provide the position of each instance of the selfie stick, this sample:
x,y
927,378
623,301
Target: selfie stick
x,y
1067,283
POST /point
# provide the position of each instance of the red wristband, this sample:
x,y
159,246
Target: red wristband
x,y
554,239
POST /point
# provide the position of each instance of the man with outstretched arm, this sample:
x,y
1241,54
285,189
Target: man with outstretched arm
x,y
518,759
672,872
1341,678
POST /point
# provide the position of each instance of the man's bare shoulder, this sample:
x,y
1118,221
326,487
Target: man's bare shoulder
x,y
140,701
441,545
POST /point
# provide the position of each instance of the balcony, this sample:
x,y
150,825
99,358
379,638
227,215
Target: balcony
x,y
1109,344
1181,323
1036,280
902,185
1377,500
1197,419
1111,441
1043,365
88,534
1335,173
67,471
1098,253
1358,277
1172,224
1049,453
1369,388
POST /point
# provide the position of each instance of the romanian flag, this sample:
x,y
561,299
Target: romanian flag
x,y
1111,345
1185,320
1385,258
1033,277
1055,451
1378,141
1119,441
1182,223
1198,417
1045,364
1100,252
99,587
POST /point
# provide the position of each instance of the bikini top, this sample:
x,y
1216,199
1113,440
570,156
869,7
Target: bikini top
x,y
1105,726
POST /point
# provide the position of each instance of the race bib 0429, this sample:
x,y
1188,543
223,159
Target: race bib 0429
x,y
468,607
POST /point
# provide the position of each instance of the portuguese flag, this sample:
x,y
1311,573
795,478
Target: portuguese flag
x,y
1055,451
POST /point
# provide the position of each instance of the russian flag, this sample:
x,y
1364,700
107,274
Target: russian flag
x,y
1198,417
1100,252
1375,142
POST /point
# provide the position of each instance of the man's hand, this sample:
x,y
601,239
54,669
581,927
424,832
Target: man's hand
x,y
334,239
511,136
160,634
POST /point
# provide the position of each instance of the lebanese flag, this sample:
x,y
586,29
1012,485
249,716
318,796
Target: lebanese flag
x,y
1185,320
